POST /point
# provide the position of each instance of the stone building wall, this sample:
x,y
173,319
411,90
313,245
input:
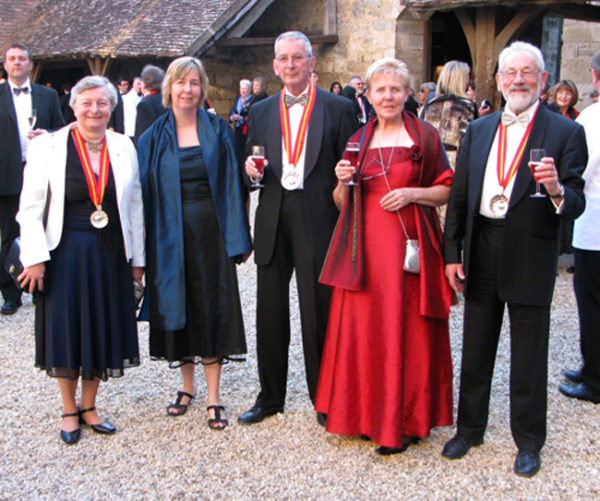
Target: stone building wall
x,y
581,40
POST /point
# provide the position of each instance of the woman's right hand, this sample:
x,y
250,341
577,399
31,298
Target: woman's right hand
x,y
344,171
32,277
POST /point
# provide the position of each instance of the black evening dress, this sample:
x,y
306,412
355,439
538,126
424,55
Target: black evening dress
x,y
214,325
85,320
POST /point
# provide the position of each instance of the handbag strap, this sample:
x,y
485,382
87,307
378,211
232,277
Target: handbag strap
x,y
387,182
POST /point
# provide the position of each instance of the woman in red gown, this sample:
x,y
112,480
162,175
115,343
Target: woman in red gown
x,y
387,371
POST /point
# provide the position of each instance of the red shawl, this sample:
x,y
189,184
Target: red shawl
x,y
343,265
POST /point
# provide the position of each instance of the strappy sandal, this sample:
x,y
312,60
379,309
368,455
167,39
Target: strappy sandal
x,y
218,422
178,407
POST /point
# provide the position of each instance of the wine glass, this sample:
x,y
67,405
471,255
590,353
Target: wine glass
x,y
258,156
352,150
535,159
32,118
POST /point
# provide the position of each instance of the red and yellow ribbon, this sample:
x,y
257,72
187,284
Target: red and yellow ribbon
x,y
504,177
96,184
284,115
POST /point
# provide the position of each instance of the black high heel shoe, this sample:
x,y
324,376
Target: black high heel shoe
x,y
70,437
105,428
406,441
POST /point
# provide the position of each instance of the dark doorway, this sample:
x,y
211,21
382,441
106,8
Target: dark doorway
x,y
448,42
57,74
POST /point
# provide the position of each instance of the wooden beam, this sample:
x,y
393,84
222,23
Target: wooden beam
x,y
483,63
519,20
35,72
99,65
254,41
469,30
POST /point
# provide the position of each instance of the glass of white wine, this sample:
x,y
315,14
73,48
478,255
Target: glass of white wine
x,y
32,118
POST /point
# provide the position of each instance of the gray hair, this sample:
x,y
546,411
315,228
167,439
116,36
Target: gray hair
x,y
596,62
246,83
528,48
295,35
93,82
389,65
152,77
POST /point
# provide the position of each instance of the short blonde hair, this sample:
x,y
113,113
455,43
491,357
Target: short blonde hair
x,y
389,65
453,79
179,68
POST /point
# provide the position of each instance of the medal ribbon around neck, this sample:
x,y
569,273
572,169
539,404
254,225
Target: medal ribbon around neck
x,y
96,186
284,115
505,177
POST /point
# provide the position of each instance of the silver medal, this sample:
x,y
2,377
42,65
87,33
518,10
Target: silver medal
x,y
499,205
99,218
290,179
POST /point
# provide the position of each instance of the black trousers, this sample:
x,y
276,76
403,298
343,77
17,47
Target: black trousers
x,y
293,251
587,291
9,230
529,327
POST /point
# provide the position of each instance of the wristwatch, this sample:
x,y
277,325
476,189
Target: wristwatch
x,y
560,194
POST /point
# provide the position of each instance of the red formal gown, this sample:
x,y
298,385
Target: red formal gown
x,y
386,370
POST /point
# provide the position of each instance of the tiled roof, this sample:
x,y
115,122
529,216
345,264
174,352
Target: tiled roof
x,y
121,28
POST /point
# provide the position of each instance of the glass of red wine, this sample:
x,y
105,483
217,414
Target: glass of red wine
x,y
258,157
352,150
535,159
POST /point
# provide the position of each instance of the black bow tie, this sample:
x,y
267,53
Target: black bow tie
x,y
18,90
292,100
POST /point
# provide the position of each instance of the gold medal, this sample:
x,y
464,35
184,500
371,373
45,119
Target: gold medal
x,y
499,205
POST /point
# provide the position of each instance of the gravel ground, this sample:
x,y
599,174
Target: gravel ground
x,y
285,457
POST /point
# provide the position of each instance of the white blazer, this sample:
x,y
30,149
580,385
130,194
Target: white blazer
x,y
46,165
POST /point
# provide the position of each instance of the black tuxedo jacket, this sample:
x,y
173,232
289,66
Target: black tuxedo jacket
x,y
331,124
148,110
49,117
529,256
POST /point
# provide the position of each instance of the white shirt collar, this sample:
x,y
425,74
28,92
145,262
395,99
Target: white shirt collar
x,y
530,112
14,86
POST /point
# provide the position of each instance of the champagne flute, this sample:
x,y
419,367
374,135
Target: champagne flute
x,y
535,159
352,150
258,156
32,118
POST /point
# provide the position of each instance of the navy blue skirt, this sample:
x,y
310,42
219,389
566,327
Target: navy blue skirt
x,y
85,322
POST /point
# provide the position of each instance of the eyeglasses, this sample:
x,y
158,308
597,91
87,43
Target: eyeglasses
x,y
284,58
527,74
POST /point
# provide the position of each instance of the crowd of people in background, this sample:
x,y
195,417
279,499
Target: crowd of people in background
x,y
145,184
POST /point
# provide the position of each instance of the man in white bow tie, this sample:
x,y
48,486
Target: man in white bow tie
x,y
501,248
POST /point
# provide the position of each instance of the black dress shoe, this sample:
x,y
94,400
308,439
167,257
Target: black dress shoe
x,y
458,446
10,307
527,463
580,391
573,375
257,414
104,428
406,441
322,418
70,437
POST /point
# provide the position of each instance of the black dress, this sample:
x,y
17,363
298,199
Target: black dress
x,y
85,320
214,325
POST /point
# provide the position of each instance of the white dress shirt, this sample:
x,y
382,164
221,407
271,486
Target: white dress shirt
x,y
23,108
130,102
586,232
295,114
491,185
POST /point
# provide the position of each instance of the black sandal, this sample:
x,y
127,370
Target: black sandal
x,y
104,428
214,424
70,437
178,406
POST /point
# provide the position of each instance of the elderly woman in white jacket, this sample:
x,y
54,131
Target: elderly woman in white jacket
x,y
82,246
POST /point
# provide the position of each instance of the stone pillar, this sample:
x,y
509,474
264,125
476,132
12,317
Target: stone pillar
x,y
552,28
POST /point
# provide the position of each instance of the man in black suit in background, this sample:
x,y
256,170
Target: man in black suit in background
x,y
18,98
508,242
295,216
363,103
150,107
